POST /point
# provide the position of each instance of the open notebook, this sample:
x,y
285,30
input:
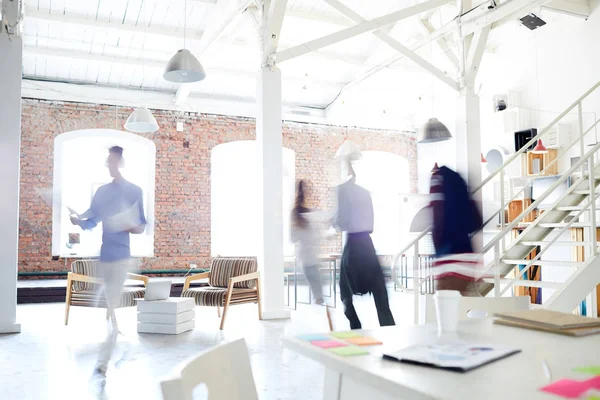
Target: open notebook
x,y
454,356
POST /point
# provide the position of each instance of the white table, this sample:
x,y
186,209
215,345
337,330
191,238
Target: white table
x,y
370,377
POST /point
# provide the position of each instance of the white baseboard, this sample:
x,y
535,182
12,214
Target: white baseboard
x,y
10,328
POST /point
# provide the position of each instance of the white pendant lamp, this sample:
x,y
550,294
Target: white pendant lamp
x,y
141,121
433,131
183,67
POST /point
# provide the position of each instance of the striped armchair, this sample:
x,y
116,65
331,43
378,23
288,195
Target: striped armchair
x,y
231,281
84,287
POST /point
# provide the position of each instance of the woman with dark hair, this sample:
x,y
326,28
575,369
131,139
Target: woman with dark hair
x,y
305,234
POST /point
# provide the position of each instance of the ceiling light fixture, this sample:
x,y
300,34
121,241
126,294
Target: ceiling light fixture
x,y
539,148
141,121
433,131
183,67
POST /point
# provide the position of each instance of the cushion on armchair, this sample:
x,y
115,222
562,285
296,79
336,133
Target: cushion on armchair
x,y
87,268
224,268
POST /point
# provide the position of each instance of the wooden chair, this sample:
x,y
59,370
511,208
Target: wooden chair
x,y
84,287
231,281
488,305
225,370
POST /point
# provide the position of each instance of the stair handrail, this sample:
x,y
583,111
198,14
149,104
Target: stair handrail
x,y
543,196
500,170
532,262
536,137
516,195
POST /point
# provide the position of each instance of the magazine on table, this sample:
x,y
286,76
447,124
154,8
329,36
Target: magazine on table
x,y
455,356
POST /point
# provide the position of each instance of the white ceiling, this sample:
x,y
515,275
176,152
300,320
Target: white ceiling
x,y
126,43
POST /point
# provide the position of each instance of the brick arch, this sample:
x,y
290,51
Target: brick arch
x,y
182,207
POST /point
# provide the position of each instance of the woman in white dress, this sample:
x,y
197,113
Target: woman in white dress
x,y
305,233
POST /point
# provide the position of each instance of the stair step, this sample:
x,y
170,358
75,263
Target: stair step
x,y
563,224
543,262
569,208
528,283
557,243
582,192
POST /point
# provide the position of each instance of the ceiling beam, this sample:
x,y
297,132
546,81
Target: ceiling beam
x,y
475,54
442,43
393,43
359,29
84,22
132,97
315,16
274,23
226,13
579,8
137,62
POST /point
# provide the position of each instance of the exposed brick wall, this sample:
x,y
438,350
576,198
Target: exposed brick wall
x,y
182,209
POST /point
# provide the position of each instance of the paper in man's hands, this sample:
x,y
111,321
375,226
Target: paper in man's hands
x,y
123,221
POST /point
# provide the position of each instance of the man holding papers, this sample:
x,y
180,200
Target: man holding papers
x,y
119,206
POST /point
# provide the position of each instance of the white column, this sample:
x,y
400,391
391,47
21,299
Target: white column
x,y
468,146
269,143
11,50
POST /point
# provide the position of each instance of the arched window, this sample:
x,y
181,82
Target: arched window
x,y
387,177
235,192
79,170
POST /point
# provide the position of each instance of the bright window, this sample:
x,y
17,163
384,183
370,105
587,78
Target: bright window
x,y
235,192
387,177
79,170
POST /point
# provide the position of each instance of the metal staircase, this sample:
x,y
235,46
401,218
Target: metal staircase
x,y
508,250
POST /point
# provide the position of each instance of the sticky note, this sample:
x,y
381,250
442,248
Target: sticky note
x,y
349,351
312,338
328,344
592,370
566,388
363,341
345,335
571,389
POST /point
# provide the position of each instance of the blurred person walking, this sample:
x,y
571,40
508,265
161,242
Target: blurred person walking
x,y
455,218
119,206
360,271
305,233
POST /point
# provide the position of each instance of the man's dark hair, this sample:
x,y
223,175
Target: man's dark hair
x,y
117,150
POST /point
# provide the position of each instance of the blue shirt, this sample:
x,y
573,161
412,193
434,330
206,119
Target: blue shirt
x,y
354,208
108,201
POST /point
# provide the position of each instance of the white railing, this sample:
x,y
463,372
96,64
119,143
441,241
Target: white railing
x,y
498,242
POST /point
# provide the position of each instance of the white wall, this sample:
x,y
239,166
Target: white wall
x,y
550,67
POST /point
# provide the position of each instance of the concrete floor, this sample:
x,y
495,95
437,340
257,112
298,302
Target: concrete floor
x,y
51,361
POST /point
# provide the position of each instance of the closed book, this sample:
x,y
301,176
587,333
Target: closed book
x,y
165,329
550,319
166,318
577,332
172,305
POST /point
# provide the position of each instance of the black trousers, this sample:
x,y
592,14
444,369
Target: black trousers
x,y
361,273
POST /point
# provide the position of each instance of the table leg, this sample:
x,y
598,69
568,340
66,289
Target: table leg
x,y
295,284
332,386
334,283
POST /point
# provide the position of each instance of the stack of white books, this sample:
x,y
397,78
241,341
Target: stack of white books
x,y
171,316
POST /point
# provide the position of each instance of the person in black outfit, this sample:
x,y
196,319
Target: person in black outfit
x,y
360,271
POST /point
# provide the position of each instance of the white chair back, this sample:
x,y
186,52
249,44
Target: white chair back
x,y
225,370
480,305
